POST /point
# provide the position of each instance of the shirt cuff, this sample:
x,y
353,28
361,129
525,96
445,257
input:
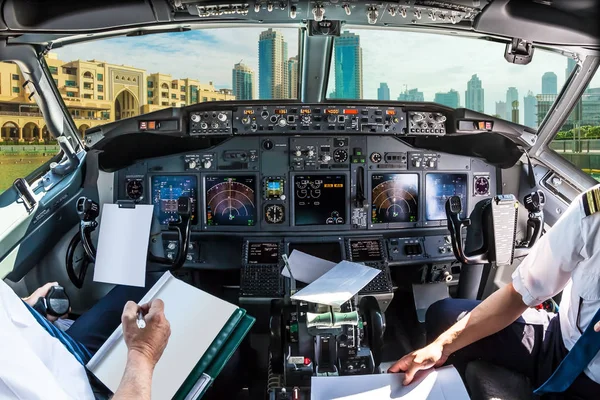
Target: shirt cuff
x,y
519,285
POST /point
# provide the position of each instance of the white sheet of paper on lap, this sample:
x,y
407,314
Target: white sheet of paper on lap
x,y
338,285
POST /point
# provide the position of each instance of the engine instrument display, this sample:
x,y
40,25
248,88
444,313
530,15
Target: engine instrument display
x,y
395,198
263,253
166,190
366,250
439,188
230,200
320,199
134,188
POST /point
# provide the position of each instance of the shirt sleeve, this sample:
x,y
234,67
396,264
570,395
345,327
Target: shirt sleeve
x,y
546,270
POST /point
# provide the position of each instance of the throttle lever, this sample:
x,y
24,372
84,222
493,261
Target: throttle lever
x,y
455,225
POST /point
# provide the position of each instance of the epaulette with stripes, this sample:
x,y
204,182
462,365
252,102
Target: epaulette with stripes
x,y
591,201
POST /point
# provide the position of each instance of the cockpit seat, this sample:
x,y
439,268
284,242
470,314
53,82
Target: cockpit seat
x,y
491,382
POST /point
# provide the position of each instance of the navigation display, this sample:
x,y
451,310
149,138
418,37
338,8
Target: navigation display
x,y
263,253
166,190
230,200
394,198
331,251
320,199
439,188
366,250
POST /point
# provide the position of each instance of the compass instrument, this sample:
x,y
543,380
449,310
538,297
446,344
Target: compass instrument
x,y
395,198
230,200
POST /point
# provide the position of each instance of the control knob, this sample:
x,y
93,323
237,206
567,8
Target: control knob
x,y
311,153
214,125
325,158
206,164
196,118
192,164
417,117
203,125
440,118
282,122
246,120
331,118
171,246
222,117
298,153
306,119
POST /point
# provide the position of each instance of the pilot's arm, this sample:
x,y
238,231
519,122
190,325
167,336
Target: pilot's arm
x,y
144,348
543,273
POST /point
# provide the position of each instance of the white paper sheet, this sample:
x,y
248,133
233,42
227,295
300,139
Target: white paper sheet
x,y
123,245
306,268
440,384
196,318
338,285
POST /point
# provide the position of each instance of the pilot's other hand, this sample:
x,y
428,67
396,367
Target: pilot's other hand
x,y
146,343
42,292
425,358
597,326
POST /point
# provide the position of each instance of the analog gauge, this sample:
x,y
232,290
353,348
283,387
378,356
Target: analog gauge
x,y
482,185
376,157
134,189
340,156
274,213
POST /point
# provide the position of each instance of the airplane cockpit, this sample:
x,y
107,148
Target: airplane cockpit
x,y
432,142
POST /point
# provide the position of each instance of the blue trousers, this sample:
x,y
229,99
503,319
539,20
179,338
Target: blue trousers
x,y
532,345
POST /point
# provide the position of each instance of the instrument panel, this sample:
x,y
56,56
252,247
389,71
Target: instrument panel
x,y
309,184
321,118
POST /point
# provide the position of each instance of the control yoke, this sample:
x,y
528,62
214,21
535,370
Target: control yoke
x,y
534,203
455,225
497,220
88,210
183,228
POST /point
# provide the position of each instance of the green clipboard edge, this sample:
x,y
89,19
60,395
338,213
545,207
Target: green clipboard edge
x,y
219,352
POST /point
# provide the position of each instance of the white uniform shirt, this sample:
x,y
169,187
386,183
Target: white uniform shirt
x,y
567,257
33,364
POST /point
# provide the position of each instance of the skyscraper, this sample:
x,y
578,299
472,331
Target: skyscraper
x,y
530,105
272,66
450,99
292,67
411,95
512,94
571,63
549,83
383,93
348,66
501,109
243,82
474,95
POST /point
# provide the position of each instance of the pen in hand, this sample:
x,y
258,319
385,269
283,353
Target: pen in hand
x,y
140,320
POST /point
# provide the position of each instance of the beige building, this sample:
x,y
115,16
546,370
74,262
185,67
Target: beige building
x,y
95,93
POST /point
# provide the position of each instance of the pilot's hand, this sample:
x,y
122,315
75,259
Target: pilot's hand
x,y
425,358
149,342
42,292
597,326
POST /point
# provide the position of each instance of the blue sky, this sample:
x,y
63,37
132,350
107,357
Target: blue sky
x,y
429,62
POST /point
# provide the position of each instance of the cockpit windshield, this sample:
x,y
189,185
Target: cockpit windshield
x,y
446,69
111,79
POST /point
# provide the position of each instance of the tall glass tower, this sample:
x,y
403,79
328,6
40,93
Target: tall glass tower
x,y
549,85
383,93
512,95
530,105
272,66
348,66
474,94
242,81
292,69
